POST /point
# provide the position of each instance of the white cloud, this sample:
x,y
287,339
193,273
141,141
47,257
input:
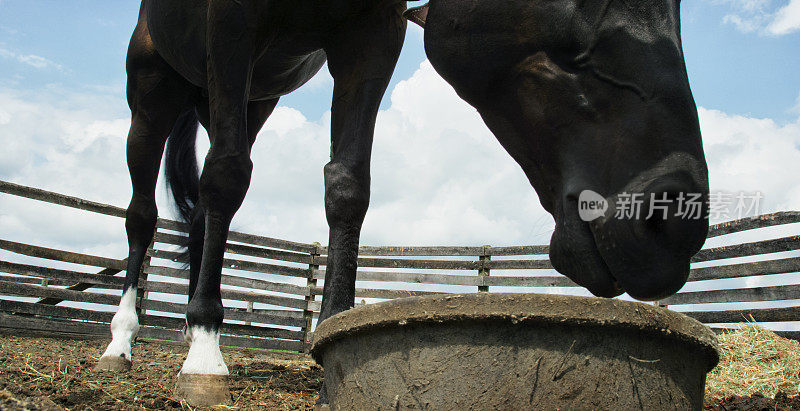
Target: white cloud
x,y
786,20
764,16
32,60
743,24
438,174
321,80
750,154
796,108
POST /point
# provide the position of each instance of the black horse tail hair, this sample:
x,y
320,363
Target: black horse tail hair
x,y
180,165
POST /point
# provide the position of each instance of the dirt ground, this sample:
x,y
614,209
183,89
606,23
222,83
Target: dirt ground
x,y
39,373
54,374
781,402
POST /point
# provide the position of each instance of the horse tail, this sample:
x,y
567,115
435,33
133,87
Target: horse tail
x,y
180,165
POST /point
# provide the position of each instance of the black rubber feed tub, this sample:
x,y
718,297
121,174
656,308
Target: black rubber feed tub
x,y
514,351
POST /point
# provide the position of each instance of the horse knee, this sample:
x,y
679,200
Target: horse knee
x,y
346,195
224,182
141,217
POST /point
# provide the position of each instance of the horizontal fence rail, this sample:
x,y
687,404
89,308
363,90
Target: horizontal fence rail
x,y
271,288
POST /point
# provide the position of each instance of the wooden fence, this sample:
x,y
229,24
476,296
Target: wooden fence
x,y
271,287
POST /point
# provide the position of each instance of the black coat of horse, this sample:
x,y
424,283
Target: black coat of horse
x,y
583,94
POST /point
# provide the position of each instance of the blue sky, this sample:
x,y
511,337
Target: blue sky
x,y
749,73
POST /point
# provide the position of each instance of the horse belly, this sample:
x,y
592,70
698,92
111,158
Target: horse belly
x,y
277,74
178,29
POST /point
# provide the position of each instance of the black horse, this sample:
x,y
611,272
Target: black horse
x,y
584,95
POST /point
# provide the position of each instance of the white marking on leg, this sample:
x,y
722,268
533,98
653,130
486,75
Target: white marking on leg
x,y
204,355
124,326
187,334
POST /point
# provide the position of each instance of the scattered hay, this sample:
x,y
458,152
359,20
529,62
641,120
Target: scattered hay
x,y
38,373
755,360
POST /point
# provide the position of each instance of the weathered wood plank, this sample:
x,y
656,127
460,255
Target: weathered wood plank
x,y
27,290
268,253
737,316
19,307
227,294
11,321
242,249
416,250
468,280
60,199
240,265
81,286
168,238
32,280
404,263
530,281
271,242
168,271
446,264
383,293
60,255
761,221
747,249
406,277
234,281
277,317
104,278
444,251
226,328
65,275
518,250
95,207
780,266
225,340
781,292
517,264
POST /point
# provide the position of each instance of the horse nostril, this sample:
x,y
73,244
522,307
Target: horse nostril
x,y
673,216
660,208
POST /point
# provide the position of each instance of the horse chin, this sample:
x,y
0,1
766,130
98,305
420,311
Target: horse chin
x,y
573,253
647,268
608,264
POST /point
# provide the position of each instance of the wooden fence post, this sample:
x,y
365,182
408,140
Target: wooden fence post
x,y
249,310
142,294
311,284
483,271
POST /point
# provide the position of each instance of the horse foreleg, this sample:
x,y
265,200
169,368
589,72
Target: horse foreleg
x,y
157,96
359,85
257,114
223,185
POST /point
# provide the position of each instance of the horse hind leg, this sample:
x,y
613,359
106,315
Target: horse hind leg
x,y
157,96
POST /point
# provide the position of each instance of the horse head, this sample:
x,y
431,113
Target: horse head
x,y
592,99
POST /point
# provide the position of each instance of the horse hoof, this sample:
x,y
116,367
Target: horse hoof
x,y
203,390
113,363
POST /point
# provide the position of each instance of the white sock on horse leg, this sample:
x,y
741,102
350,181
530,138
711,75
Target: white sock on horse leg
x,y
124,327
204,355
